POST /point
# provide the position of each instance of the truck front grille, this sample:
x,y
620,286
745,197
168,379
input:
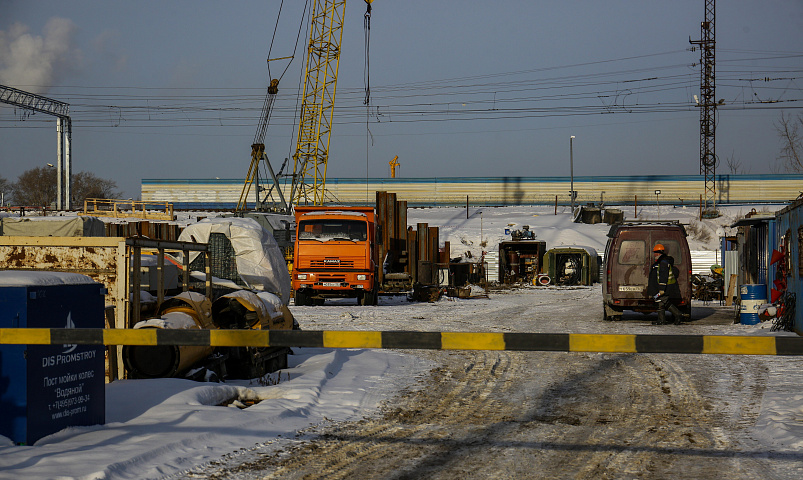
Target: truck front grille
x,y
330,264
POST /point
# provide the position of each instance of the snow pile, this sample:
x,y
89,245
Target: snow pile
x,y
24,278
161,427
781,420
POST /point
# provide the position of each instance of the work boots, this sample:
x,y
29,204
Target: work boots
x,y
676,315
661,318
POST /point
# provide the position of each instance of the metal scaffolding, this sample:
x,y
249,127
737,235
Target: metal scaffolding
x,y
60,110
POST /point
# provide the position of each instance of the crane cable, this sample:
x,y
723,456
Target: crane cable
x,y
366,70
367,85
273,88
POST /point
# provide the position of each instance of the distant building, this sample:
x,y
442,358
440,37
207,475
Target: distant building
x,y
674,190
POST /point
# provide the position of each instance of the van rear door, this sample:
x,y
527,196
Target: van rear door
x,y
629,267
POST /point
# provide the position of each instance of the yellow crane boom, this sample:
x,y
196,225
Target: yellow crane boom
x,y
318,100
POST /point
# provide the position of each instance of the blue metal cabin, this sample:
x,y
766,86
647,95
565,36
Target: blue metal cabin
x,y
790,235
756,238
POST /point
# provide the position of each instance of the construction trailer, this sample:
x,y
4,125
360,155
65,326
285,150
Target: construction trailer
x,y
571,265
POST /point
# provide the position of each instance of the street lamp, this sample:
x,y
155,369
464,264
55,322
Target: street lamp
x,y
571,170
657,204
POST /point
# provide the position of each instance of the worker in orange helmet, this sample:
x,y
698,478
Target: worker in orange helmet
x,y
663,285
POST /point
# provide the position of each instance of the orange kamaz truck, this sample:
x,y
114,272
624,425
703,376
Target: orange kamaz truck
x,y
334,254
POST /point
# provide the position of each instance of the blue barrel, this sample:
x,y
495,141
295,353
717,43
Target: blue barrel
x,y
751,296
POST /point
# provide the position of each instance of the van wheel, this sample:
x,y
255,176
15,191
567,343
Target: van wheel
x,y
610,315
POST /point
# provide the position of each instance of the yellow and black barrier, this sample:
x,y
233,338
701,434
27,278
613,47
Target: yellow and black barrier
x,y
552,342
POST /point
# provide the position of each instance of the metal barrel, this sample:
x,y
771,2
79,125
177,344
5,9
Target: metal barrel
x,y
751,296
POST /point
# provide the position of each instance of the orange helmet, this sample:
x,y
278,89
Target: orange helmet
x,y
658,248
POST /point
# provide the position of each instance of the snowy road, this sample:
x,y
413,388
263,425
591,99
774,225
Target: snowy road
x,y
549,414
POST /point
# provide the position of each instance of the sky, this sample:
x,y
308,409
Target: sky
x,y
175,89
164,428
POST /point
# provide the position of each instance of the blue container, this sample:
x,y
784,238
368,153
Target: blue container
x,y
46,388
751,296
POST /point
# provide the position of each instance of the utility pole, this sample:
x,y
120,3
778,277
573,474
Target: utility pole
x,y
571,171
708,108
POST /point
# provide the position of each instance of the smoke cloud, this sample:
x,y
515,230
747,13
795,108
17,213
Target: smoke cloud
x,y
36,62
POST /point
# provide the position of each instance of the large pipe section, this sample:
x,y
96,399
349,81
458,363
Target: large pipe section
x,y
188,310
239,310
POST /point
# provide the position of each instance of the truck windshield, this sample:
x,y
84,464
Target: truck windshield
x,y
326,230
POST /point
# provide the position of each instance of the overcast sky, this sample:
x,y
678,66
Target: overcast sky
x,y
174,89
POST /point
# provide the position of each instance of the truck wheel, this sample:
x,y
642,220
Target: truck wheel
x,y
366,298
301,298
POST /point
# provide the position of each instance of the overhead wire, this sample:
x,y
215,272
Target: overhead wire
x,y
207,107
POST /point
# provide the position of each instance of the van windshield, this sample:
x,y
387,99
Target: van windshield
x,y
325,230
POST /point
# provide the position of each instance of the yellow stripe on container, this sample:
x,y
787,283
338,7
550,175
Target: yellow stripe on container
x,y
21,336
121,336
472,341
352,339
723,344
238,338
581,342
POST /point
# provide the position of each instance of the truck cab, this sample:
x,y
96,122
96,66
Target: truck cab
x,y
334,255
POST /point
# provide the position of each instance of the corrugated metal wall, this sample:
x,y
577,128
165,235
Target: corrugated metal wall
x,y
675,190
790,224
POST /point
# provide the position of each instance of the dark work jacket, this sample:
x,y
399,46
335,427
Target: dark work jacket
x,y
663,276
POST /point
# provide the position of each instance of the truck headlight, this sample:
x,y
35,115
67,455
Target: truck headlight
x,y
362,277
301,276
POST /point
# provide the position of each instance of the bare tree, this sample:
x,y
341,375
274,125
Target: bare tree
x,y
87,185
37,187
735,165
790,129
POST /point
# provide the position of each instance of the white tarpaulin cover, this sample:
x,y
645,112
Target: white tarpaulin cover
x,y
260,263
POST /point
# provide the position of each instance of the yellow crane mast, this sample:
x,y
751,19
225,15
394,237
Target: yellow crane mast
x,y
317,112
318,101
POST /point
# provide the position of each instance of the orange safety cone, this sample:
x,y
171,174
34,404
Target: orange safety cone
x,y
774,295
776,257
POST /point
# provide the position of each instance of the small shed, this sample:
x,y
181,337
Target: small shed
x,y
571,265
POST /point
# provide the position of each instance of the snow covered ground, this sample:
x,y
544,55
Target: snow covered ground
x,y
163,428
